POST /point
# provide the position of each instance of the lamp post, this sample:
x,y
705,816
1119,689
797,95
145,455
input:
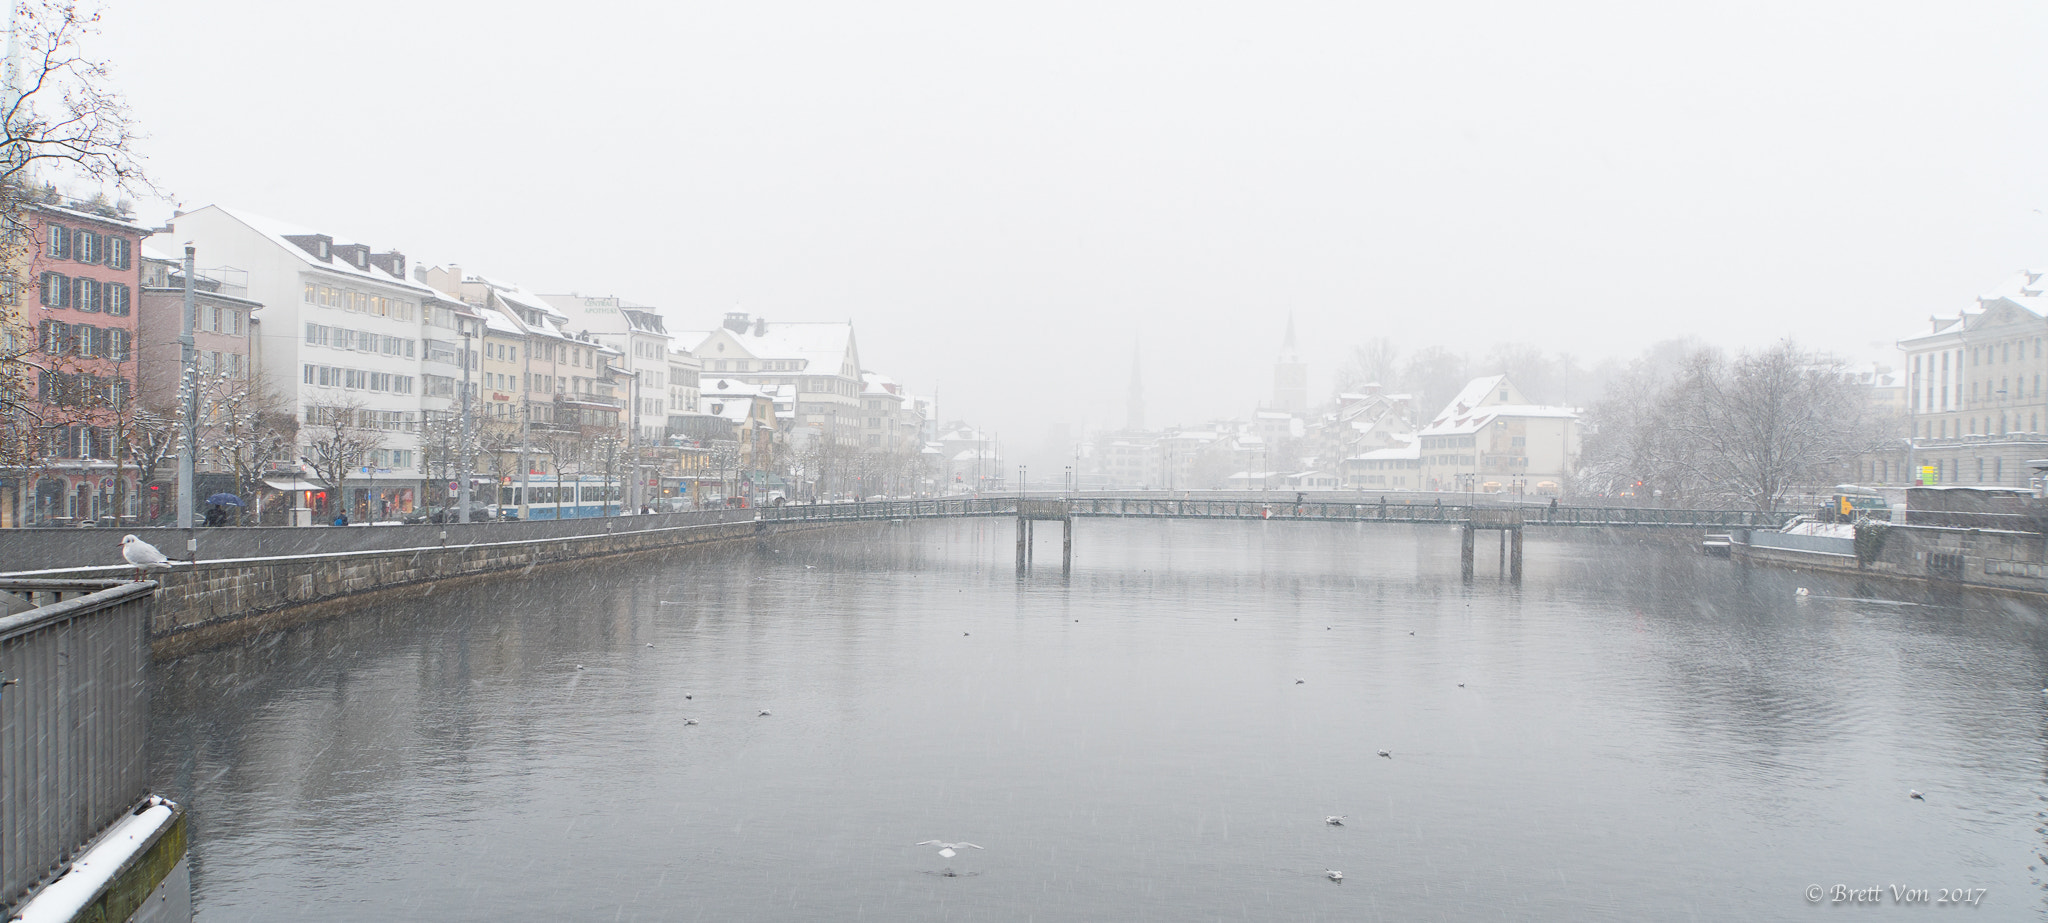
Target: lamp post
x,y
1023,479
189,444
462,469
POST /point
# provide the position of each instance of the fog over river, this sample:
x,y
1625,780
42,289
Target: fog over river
x,y
1634,732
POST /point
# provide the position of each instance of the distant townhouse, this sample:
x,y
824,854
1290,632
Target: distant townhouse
x,y
640,335
83,263
819,360
1975,401
1490,439
228,349
352,358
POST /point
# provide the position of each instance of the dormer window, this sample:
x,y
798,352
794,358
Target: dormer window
x,y
324,252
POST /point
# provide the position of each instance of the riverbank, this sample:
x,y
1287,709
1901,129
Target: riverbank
x,y
1978,559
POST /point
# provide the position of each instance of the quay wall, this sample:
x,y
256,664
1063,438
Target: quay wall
x,y
1986,559
216,601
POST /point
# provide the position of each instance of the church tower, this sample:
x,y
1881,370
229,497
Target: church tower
x,y
1290,376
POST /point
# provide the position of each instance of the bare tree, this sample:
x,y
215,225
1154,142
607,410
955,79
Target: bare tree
x,y
245,429
1374,362
338,441
1744,431
59,116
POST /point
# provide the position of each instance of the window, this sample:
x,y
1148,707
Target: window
x,y
117,344
119,251
56,290
85,294
59,237
117,296
85,246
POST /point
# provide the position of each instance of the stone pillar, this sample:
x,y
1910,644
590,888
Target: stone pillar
x,y
1067,546
1515,559
1465,551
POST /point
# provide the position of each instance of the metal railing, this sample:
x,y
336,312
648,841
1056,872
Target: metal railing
x,y
1172,508
74,721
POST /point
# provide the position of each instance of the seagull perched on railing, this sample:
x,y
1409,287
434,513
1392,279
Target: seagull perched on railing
x,y
142,555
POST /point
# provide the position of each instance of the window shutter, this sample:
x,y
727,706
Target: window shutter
x,y
59,241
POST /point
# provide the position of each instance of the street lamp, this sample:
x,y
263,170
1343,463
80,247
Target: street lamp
x,y
1023,479
462,469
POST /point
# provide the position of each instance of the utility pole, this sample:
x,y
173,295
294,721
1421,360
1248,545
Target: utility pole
x,y
188,445
462,469
525,429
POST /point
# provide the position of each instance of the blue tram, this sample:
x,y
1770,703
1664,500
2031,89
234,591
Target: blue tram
x,y
563,498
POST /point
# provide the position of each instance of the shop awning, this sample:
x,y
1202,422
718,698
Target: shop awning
x,y
292,484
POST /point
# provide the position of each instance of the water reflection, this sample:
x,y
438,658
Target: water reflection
x,y
1642,734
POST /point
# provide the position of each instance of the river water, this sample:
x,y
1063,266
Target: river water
x,y
1633,733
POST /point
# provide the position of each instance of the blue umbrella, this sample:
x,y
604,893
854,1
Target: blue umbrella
x,y
225,500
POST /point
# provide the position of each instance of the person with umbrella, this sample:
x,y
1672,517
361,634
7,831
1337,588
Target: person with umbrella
x,y
216,516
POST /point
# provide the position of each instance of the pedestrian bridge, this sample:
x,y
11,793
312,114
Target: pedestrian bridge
x,y
1065,507
1507,520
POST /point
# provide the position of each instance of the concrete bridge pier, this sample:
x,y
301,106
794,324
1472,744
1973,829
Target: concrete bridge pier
x,y
1508,522
1029,512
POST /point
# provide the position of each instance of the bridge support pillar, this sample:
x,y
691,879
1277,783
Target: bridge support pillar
x,y
1067,547
1023,541
1030,543
1515,559
1465,542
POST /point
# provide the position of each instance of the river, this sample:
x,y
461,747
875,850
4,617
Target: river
x,y
1634,732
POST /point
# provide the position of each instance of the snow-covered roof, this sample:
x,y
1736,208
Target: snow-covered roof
x,y
277,231
496,321
1474,394
1474,421
821,345
1409,452
710,386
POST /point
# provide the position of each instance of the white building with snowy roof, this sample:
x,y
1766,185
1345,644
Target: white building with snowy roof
x,y
820,360
1976,403
1490,439
344,327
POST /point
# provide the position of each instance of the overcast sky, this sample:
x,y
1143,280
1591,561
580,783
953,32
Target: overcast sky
x,y
1004,198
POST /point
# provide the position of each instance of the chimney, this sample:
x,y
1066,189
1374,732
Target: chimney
x,y
736,321
760,326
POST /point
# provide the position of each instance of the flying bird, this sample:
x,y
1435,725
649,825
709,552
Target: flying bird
x,y
1802,591
764,713
1386,754
1334,875
1335,820
1915,795
1299,682
946,850
689,721
142,555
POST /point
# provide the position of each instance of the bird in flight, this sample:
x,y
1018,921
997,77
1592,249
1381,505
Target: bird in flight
x,y
1335,820
1334,875
142,555
946,850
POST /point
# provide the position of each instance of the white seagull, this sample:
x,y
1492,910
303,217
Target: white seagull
x,y
1915,795
1334,875
946,850
764,713
1386,754
1335,820
142,555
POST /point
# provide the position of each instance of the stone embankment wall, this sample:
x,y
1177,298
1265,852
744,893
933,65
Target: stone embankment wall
x,y
1977,558
217,601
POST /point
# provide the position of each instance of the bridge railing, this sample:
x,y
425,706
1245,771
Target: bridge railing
x,y
74,721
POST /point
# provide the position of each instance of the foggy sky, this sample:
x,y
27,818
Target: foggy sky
x,y
1004,199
